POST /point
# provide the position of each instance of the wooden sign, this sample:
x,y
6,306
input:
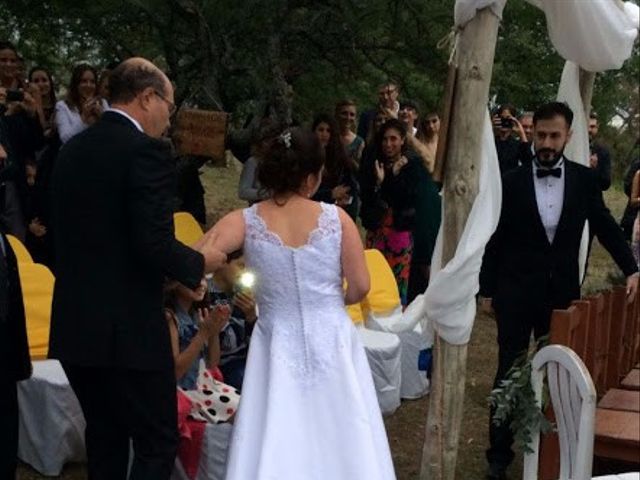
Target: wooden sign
x,y
200,132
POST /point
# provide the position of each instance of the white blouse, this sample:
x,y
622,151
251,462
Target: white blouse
x,y
68,121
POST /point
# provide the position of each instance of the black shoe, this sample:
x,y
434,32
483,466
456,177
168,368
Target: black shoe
x,y
496,472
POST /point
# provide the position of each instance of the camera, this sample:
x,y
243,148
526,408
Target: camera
x,y
15,96
506,123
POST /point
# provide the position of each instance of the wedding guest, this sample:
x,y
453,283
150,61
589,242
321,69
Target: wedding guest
x,y
600,158
509,148
409,114
387,103
9,75
630,212
14,356
39,238
428,205
389,201
425,141
526,120
370,151
226,289
339,185
81,107
22,137
41,78
194,330
114,232
249,188
634,201
346,113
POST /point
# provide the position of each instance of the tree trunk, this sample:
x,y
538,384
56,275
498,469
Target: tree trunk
x,y
475,55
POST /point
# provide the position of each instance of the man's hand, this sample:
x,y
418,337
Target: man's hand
x,y
3,156
632,287
213,257
245,302
593,160
37,228
485,305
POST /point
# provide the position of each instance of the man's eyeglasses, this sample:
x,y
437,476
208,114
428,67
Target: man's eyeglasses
x,y
171,105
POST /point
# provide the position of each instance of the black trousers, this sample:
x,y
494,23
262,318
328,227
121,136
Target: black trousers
x,y
8,428
514,334
120,405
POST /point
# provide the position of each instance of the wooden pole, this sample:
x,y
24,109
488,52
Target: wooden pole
x,y
475,55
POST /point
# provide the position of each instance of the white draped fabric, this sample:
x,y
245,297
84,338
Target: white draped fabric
x,y
596,35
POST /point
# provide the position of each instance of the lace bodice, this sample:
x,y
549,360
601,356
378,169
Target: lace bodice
x,y
299,291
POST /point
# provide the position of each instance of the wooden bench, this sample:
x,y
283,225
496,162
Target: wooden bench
x,y
604,330
618,399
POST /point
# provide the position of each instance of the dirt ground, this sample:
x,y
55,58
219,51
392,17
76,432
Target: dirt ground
x,y
405,427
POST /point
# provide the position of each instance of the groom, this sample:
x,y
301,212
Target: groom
x,y
530,266
114,243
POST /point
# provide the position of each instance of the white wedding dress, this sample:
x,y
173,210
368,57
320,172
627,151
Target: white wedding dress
x,y
308,409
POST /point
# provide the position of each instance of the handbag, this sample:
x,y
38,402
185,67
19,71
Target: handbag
x,y
212,401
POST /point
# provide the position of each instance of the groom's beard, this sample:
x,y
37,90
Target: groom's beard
x,y
548,157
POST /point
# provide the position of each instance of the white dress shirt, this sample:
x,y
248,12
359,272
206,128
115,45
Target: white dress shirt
x,y
550,199
126,115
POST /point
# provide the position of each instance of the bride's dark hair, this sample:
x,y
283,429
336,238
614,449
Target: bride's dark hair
x,y
289,160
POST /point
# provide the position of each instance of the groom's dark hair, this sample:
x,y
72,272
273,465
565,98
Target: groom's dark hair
x,y
551,110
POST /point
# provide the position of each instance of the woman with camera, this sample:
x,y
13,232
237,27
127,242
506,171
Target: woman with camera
x,y
82,107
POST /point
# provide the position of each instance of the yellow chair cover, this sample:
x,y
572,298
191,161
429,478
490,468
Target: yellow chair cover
x,y
187,229
22,254
37,291
383,297
355,312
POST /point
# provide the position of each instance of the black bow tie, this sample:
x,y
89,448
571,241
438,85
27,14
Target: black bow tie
x,y
545,172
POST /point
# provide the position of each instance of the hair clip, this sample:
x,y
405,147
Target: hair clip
x,y
286,138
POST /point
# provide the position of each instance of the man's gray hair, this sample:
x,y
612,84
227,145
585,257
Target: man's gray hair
x,y
128,79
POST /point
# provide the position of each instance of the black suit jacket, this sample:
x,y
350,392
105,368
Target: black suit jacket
x,y
14,348
114,241
521,269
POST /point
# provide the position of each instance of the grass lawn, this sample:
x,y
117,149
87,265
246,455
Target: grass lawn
x,y
406,427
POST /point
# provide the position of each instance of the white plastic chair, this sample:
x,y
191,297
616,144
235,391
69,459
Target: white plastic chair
x,y
384,314
573,397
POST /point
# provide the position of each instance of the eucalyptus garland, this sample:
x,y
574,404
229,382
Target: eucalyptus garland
x,y
514,402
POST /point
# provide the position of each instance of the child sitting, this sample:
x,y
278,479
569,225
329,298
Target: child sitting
x,y
225,289
195,334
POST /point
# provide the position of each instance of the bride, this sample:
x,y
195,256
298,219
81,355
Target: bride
x,y
308,409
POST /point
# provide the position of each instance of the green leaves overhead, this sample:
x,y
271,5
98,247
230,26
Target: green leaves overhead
x,y
244,56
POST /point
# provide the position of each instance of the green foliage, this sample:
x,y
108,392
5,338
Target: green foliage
x,y
298,57
514,403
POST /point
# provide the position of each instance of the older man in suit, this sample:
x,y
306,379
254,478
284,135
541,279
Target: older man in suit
x,y
115,245
14,356
530,266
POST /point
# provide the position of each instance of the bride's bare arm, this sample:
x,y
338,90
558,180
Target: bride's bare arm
x,y
227,235
354,266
